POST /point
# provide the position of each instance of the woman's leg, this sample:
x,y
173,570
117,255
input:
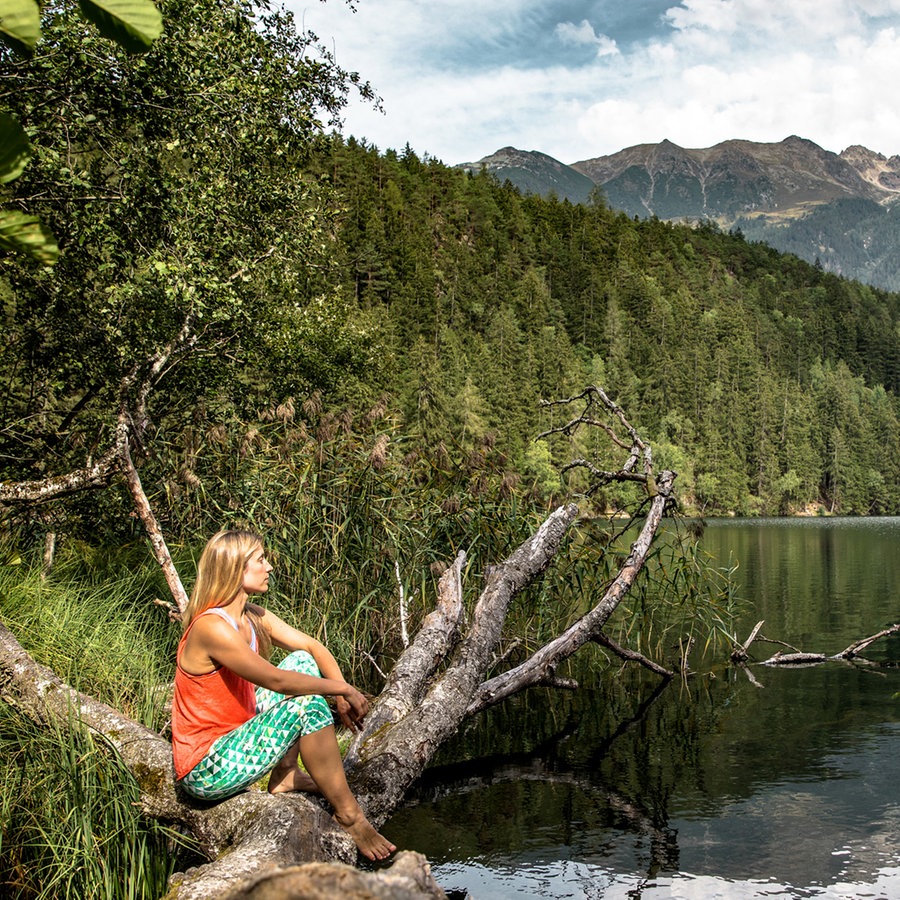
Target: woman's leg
x,y
322,757
287,774
317,747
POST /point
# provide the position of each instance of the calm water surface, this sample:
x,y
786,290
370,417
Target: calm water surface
x,y
716,787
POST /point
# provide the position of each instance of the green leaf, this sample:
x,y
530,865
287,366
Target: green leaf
x,y
132,24
23,233
20,24
14,148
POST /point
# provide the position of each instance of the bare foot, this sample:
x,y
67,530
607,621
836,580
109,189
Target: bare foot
x,y
371,844
293,780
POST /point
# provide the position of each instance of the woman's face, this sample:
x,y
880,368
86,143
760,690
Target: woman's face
x,y
256,572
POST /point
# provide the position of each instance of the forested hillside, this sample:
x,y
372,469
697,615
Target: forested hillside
x,y
769,384
847,236
242,289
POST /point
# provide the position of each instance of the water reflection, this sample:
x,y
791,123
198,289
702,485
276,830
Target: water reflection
x,y
715,787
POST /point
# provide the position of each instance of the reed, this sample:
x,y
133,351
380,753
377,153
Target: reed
x,y
69,820
352,514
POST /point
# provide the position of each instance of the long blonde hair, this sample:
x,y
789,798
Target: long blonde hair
x,y
220,578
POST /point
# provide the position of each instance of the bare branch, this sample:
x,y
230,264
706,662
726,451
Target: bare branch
x,y
739,654
856,648
93,475
152,527
545,660
595,398
631,655
851,652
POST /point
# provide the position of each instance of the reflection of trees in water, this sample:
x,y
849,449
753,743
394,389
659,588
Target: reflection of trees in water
x,y
818,583
511,812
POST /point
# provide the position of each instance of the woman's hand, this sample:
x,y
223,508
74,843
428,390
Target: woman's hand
x,y
352,708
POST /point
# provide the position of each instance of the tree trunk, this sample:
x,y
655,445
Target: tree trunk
x,y
154,532
392,749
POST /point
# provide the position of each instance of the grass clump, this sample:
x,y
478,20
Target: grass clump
x,y
96,627
70,824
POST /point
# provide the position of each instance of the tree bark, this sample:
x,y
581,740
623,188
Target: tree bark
x,y
152,527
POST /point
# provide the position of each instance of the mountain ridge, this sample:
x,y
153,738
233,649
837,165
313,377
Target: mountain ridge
x,y
767,190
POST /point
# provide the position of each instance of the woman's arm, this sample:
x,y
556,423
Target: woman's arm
x,y
289,638
215,638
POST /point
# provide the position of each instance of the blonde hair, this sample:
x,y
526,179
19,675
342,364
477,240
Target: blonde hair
x,y
220,578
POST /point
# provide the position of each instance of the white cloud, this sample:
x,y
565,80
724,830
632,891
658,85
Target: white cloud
x,y
584,34
753,69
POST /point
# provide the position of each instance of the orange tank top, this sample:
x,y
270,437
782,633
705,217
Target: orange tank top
x,y
205,707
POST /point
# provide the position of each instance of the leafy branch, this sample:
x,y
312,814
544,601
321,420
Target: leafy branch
x,y
133,24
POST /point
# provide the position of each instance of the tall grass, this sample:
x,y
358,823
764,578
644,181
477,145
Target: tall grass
x,y
94,623
346,501
69,820
69,823
344,504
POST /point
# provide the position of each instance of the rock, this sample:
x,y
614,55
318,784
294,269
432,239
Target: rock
x,y
407,878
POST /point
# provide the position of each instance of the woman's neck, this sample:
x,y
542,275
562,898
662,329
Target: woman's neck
x,y
237,606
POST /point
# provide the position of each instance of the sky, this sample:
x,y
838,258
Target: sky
x,y
577,79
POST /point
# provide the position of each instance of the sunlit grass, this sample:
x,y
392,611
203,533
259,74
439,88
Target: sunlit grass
x,y
70,824
96,627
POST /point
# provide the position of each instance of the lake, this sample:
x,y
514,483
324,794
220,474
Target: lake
x,y
784,783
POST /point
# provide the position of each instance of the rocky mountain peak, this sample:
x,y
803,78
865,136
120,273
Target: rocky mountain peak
x,y
875,168
771,191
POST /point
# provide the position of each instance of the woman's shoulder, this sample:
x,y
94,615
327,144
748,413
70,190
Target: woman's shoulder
x,y
210,625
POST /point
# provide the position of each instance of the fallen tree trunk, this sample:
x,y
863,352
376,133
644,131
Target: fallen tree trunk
x,y
798,657
391,752
440,679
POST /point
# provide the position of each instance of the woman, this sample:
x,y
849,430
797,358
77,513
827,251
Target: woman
x,y
235,716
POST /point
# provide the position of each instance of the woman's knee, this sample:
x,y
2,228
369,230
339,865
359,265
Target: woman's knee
x,y
300,661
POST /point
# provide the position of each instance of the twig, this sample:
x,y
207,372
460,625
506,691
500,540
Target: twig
x,y
630,655
859,646
404,634
739,654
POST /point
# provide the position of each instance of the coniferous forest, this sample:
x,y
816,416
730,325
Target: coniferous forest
x,y
768,384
